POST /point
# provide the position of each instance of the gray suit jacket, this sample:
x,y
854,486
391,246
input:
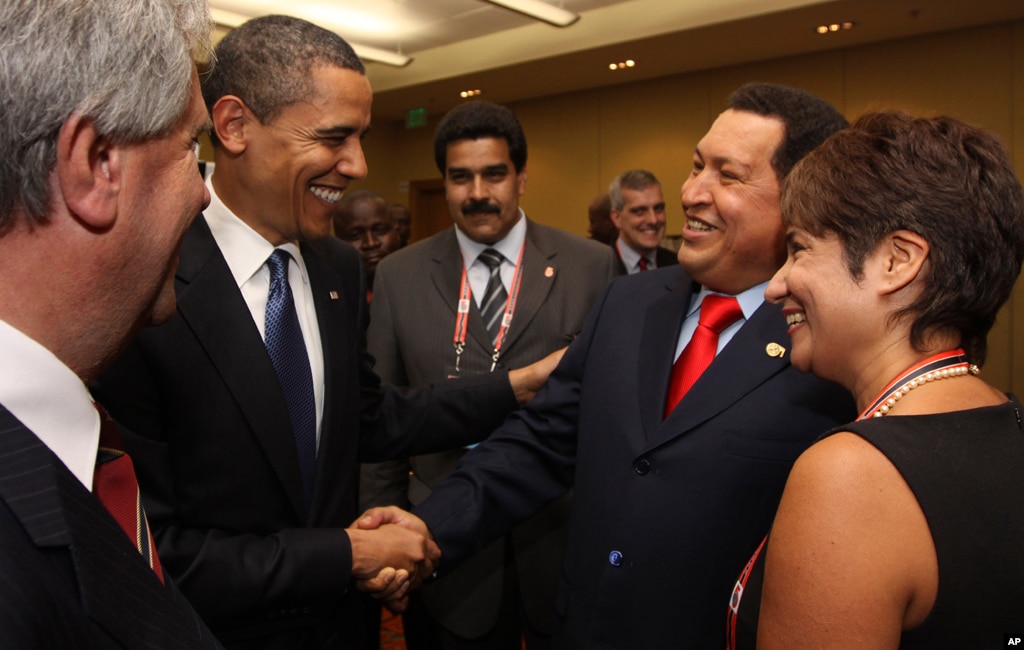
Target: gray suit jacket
x,y
412,323
71,577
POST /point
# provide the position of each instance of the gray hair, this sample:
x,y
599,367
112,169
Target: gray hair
x,y
124,64
266,63
634,179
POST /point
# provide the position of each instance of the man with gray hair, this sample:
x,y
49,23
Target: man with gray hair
x,y
98,183
638,211
252,408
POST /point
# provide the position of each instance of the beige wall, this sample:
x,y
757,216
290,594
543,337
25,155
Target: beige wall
x,y
579,141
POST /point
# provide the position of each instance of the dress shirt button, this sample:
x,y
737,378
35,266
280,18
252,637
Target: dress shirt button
x,y
642,466
615,558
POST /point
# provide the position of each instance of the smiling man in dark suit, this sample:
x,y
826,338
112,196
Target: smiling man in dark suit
x,y
254,404
549,279
97,187
638,213
669,498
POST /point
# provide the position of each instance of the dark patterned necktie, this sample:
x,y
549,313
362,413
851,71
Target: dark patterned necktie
x,y
116,487
291,363
716,313
492,308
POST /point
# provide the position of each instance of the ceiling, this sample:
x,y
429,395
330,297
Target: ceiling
x,y
458,45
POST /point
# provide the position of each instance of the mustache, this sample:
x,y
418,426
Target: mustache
x,y
479,205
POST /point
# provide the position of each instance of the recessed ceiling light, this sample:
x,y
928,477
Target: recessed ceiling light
x,y
834,27
466,94
622,65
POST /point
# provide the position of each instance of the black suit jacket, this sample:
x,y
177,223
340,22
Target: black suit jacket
x,y
71,578
415,304
216,458
663,256
665,513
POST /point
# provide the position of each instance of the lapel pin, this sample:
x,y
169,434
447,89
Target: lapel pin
x,y
334,295
775,350
549,272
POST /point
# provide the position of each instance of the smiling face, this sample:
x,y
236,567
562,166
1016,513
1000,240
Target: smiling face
x,y
300,162
733,234
483,188
830,315
641,221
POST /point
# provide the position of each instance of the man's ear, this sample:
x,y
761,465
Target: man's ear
x,y
89,171
902,255
231,118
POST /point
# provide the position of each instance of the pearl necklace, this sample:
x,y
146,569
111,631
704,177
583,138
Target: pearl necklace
x,y
946,365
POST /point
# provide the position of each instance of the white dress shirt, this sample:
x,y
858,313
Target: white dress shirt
x,y
479,273
246,253
51,400
750,300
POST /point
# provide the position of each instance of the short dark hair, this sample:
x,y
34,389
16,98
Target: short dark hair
x,y
951,183
634,179
807,119
475,120
267,62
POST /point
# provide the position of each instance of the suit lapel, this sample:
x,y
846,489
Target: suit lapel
x,y
742,366
211,305
339,336
446,275
118,589
661,326
539,271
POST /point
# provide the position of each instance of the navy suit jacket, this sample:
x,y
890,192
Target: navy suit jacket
x,y
665,512
208,429
71,578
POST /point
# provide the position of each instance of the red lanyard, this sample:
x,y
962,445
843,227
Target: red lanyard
x,y
462,318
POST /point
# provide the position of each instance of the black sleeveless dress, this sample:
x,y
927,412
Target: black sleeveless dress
x,y
966,470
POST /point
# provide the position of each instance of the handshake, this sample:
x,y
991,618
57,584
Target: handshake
x,y
392,552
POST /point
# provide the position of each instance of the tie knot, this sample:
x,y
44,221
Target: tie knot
x,y
278,264
491,258
718,312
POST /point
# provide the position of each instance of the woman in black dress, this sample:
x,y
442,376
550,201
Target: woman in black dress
x,y
904,528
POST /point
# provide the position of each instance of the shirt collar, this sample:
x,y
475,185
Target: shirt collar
x,y
509,246
630,258
749,300
51,400
244,249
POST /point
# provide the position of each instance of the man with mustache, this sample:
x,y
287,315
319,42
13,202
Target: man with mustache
x,y
638,211
252,407
543,283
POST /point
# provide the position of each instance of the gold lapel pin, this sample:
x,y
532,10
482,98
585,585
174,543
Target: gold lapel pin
x,y
334,295
775,350
549,272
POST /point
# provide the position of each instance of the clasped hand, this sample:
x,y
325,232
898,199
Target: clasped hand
x,y
392,552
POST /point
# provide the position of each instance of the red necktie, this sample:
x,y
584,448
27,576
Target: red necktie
x,y
716,313
115,485
642,264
